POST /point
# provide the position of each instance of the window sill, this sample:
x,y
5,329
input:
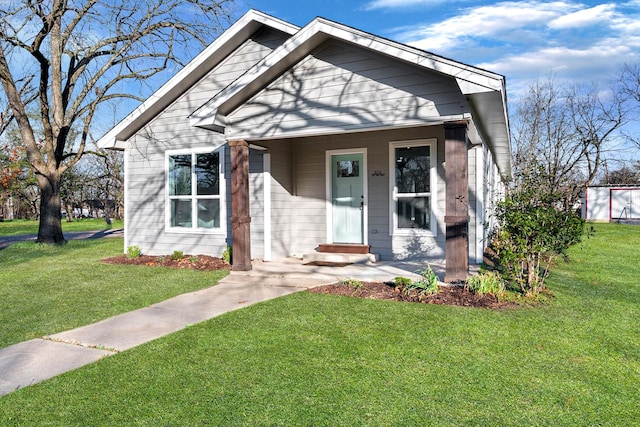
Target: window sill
x,y
408,232
207,231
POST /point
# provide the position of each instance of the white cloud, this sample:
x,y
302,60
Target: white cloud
x,y
585,17
532,39
394,4
493,21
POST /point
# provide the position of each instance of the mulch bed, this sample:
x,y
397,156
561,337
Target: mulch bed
x,y
448,295
196,262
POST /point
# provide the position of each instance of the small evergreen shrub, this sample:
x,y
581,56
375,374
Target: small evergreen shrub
x,y
176,255
532,231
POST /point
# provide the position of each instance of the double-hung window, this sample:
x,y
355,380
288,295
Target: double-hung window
x,y
194,191
412,186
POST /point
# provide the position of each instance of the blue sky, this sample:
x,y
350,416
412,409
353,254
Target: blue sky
x,y
582,42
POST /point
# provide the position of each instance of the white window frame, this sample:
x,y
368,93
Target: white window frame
x,y
194,197
432,194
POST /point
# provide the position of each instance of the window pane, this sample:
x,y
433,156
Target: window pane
x,y
180,175
413,212
412,169
180,213
208,213
348,168
207,174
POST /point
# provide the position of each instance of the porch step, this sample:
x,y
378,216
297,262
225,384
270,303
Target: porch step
x,y
344,248
338,258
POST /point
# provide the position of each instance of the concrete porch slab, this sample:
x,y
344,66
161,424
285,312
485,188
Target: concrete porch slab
x,y
334,257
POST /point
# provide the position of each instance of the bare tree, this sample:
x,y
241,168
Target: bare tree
x,y
629,85
69,58
561,137
105,182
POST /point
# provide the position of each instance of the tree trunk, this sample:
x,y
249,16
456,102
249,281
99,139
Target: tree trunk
x,y
50,229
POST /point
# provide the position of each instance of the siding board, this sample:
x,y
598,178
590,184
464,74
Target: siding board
x,y
343,88
171,130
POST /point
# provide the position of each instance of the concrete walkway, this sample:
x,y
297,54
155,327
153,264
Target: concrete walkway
x,y
36,360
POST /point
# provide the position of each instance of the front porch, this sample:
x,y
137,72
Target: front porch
x,y
300,203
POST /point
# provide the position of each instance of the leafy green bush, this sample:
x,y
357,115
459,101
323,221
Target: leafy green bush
x,y
227,255
487,282
133,252
176,255
401,282
351,282
532,232
426,285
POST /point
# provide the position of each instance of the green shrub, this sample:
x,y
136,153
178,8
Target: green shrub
x,y
401,282
489,282
351,282
532,232
133,252
176,255
227,255
426,285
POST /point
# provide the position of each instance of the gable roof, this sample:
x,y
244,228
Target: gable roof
x,y
484,90
195,70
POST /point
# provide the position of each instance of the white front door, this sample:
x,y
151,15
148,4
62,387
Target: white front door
x,y
347,196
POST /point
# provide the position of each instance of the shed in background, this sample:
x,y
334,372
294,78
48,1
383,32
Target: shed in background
x,y
611,203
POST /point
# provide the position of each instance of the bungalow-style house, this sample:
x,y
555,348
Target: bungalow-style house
x,y
283,141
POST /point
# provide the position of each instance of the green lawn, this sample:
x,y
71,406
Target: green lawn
x,y
27,226
313,359
49,289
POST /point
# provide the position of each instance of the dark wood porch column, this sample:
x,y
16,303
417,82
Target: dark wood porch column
x,y
240,219
457,204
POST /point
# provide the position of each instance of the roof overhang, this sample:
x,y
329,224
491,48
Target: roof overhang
x,y
195,70
485,91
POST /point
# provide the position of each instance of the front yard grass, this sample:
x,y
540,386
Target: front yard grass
x,y
48,289
27,226
314,359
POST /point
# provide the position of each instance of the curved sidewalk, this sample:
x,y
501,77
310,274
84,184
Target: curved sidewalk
x,y
36,360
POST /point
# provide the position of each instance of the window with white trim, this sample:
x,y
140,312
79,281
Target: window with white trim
x,y
413,167
194,186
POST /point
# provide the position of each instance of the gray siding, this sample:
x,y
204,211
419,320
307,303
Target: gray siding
x,y
299,201
282,199
339,88
170,130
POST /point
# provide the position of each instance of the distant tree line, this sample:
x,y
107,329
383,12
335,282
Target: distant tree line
x,y
93,187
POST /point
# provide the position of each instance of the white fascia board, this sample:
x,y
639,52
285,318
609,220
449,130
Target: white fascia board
x,y
343,131
470,79
190,74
